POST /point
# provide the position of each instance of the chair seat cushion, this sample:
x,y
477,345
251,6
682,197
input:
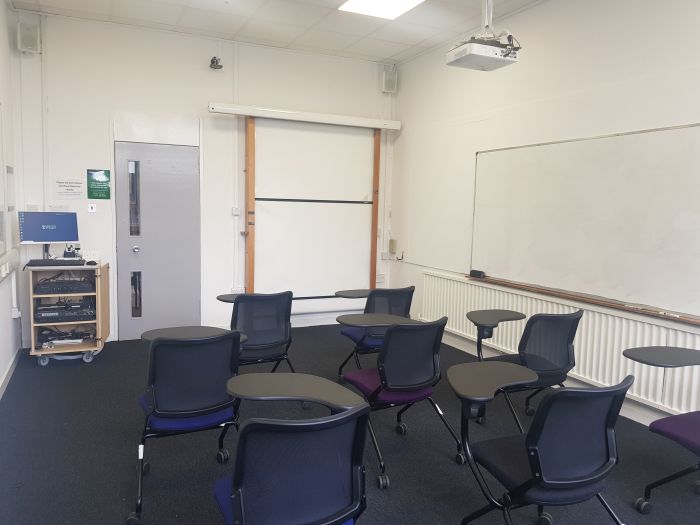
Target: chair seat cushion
x,y
684,429
367,381
183,424
506,459
254,355
362,338
545,376
222,493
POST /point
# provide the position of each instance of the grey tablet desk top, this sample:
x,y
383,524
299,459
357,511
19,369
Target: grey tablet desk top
x,y
480,381
360,293
664,356
186,332
373,320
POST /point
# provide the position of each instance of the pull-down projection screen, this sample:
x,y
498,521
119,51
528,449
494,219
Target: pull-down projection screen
x,y
313,207
616,217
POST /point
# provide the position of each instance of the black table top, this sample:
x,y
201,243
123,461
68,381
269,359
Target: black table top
x,y
186,332
359,293
228,297
370,320
295,387
479,381
491,318
664,356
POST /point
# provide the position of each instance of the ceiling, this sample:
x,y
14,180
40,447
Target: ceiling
x,y
309,25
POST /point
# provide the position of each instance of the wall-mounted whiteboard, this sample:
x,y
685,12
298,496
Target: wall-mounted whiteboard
x,y
313,209
616,217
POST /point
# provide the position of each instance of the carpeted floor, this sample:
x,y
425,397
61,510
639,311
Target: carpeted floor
x,y
69,434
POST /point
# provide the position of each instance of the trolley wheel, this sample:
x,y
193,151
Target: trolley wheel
x,y
460,458
529,410
43,360
545,519
88,357
642,505
383,481
401,429
133,519
696,487
222,456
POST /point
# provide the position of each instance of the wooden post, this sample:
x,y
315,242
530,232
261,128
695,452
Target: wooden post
x,y
375,210
250,204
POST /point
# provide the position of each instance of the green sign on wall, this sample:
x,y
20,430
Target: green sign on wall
x,y
98,184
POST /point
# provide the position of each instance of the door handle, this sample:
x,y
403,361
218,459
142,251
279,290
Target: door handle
x,y
135,249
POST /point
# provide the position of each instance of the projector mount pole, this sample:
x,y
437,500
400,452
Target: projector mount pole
x,y
487,19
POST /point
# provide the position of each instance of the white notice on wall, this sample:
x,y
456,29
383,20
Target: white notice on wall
x,y
69,189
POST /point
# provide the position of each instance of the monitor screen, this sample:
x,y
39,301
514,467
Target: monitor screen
x,y
38,227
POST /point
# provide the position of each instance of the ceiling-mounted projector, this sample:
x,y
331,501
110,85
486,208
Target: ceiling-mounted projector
x,y
486,50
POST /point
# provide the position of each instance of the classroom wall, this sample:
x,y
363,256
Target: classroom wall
x,y
586,69
91,72
9,326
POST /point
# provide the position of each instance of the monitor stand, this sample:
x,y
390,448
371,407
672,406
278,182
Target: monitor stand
x,y
46,251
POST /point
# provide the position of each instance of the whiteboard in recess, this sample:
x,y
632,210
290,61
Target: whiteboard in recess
x,y
615,216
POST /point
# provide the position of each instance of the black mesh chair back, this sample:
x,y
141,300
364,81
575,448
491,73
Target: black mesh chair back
x,y
188,377
409,358
547,343
571,442
301,472
264,318
394,301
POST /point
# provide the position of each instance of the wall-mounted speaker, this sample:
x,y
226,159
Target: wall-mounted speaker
x,y
390,79
28,38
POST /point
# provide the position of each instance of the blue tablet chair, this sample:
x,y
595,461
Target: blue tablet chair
x,y
265,320
394,301
186,393
408,367
306,472
564,458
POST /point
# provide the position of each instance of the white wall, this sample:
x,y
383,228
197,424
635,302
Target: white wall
x,y
9,327
90,72
587,68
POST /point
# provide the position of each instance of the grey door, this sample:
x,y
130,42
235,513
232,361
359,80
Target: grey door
x,y
158,236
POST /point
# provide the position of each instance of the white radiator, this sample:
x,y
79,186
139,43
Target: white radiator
x,y
602,336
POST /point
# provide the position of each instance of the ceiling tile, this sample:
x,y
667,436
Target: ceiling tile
x,y
438,14
31,6
408,53
231,7
268,32
78,6
403,33
219,23
333,4
294,13
378,48
350,23
324,40
147,11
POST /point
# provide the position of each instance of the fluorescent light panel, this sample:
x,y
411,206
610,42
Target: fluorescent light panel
x,y
389,9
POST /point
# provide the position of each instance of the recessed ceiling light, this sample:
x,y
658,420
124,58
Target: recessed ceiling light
x,y
389,9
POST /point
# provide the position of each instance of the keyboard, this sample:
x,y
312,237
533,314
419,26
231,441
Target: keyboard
x,y
56,262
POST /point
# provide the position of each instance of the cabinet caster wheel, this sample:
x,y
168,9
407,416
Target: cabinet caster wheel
x,y
146,468
460,458
133,519
383,481
401,429
696,487
643,506
88,357
43,360
529,410
222,456
545,519
481,420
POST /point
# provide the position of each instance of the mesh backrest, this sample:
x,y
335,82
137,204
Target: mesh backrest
x,y
409,356
547,343
572,434
264,318
191,376
394,301
300,471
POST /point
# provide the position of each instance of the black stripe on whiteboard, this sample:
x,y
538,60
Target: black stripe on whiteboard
x,y
314,297
320,201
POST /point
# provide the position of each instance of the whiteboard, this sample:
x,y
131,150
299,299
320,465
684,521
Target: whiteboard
x,y
615,216
305,240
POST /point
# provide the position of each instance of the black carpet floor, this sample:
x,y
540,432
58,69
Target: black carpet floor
x,y
69,435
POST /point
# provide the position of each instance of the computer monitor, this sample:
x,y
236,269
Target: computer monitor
x,y
41,227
